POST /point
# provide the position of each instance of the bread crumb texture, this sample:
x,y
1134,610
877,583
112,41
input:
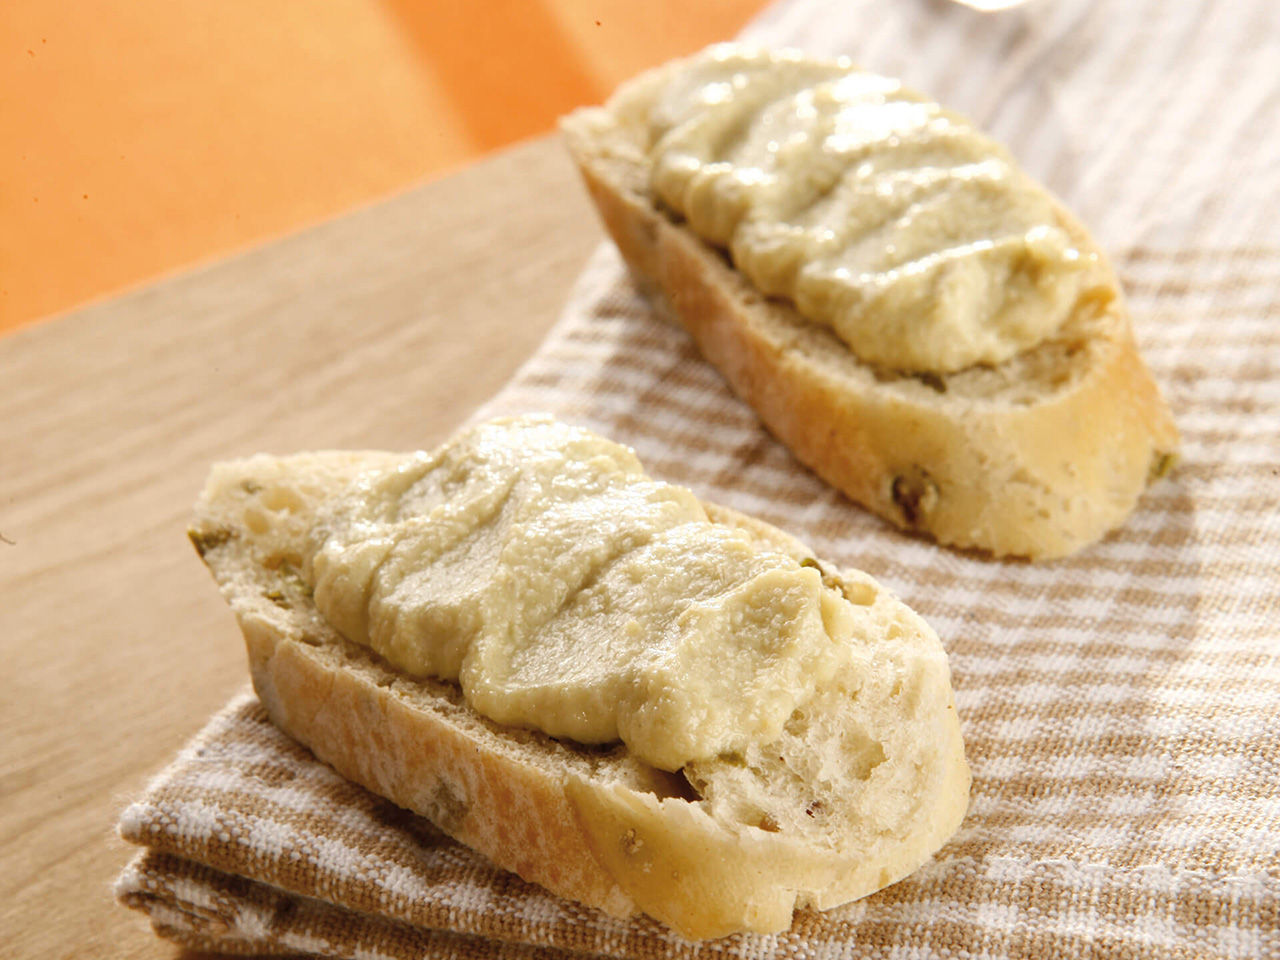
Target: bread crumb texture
x,y
922,325
860,782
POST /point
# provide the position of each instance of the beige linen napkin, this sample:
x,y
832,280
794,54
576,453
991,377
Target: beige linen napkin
x,y
1121,708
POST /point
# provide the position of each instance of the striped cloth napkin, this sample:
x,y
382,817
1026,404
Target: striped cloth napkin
x,y
1121,708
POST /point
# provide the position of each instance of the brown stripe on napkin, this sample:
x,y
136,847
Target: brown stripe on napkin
x,y
1120,707
205,909
1119,712
338,872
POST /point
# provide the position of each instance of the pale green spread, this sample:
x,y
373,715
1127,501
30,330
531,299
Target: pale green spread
x,y
566,591
876,212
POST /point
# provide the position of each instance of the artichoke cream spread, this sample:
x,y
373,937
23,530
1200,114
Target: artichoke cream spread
x,y
566,591
876,212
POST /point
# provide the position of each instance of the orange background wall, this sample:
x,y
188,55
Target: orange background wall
x,y
138,136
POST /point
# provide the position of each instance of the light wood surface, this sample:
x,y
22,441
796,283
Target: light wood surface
x,y
381,329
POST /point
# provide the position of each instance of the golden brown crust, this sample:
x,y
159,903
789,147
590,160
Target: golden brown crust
x,y
590,824
516,815
1037,477
598,842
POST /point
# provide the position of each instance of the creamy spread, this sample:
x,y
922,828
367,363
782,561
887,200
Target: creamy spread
x,y
896,223
565,590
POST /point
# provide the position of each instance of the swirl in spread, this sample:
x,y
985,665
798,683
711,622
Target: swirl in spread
x,y
566,591
896,223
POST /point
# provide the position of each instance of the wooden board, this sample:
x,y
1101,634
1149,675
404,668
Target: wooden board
x,y
385,328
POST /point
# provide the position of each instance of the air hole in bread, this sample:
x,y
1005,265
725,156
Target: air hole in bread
x,y
281,498
256,520
865,753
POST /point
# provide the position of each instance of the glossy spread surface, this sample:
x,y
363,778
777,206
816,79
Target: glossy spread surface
x,y
896,223
565,590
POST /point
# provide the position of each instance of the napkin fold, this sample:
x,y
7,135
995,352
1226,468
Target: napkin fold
x,y
252,845
1121,708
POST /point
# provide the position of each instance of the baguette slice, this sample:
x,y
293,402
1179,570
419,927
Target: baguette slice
x,y
1035,457
858,792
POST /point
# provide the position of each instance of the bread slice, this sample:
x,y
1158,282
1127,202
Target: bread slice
x,y
1036,457
858,791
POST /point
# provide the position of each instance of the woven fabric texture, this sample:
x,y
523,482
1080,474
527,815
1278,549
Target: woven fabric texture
x,y
1121,708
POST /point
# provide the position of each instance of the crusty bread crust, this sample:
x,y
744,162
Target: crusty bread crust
x,y
589,823
1035,458
333,699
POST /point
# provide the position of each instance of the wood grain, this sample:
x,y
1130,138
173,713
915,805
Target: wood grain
x,y
381,329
